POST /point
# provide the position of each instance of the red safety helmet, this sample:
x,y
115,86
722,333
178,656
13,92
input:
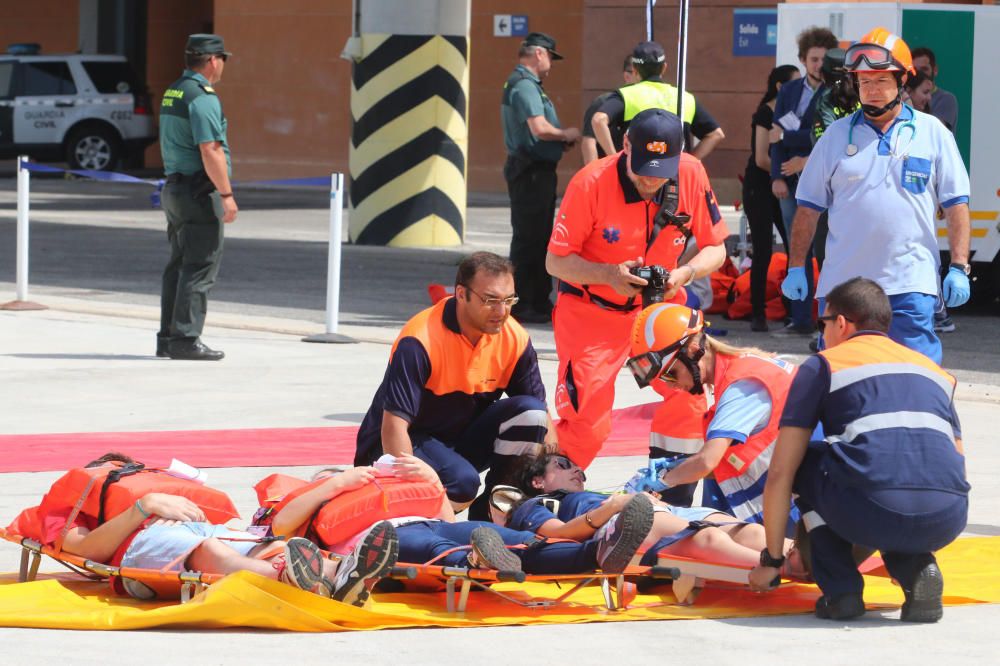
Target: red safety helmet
x,y
658,334
879,51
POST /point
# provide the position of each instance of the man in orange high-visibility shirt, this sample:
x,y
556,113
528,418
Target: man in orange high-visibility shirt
x,y
612,219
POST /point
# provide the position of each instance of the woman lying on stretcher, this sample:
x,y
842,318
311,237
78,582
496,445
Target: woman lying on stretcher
x,y
555,504
158,531
405,501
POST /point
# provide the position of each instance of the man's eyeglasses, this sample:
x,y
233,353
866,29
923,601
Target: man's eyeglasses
x,y
821,321
222,56
508,302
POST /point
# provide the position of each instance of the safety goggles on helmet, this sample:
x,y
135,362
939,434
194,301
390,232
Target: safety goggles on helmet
x,y
647,367
876,57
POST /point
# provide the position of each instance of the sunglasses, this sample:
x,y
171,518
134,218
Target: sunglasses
x,y
821,321
563,463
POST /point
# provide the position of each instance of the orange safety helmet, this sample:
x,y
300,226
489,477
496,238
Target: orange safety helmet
x,y
658,334
879,51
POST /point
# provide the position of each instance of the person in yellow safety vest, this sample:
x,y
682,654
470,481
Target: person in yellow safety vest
x,y
650,92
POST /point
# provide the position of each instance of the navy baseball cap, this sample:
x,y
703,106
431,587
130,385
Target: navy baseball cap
x,y
648,53
656,137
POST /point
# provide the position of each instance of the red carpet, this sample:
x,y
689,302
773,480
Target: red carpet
x,y
263,447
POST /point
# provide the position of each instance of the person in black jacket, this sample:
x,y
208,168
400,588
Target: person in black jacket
x,y
759,203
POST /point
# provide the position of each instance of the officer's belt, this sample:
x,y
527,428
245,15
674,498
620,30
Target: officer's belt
x,y
178,177
587,295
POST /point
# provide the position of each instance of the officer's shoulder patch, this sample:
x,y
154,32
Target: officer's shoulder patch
x,y
208,89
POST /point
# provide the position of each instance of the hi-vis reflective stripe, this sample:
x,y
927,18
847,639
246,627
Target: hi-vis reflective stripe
x,y
848,376
731,488
676,444
903,420
812,520
409,143
530,419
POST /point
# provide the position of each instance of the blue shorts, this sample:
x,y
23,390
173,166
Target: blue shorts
x,y
158,545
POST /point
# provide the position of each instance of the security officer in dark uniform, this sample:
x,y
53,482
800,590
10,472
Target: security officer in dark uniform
x,y
197,197
535,142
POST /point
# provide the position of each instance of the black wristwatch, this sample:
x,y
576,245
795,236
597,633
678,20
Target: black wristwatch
x,y
965,268
767,561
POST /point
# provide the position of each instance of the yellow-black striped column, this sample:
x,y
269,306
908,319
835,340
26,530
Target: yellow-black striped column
x,y
409,142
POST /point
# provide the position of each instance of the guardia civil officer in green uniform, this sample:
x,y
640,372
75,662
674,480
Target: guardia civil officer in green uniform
x,y
535,143
197,197
649,92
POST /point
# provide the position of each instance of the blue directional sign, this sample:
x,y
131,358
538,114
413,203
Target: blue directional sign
x,y
755,32
519,25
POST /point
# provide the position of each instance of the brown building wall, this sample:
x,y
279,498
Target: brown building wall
x,y
55,24
286,90
728,86
493,58
168,26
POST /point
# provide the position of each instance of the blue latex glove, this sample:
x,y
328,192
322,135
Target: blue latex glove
x,y
956,289
794,286
650,479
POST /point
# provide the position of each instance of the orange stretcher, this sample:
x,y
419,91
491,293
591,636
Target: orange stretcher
x,y
687,577
184,585
618,589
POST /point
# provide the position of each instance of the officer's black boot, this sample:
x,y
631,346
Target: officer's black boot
x,y
192,349
162,346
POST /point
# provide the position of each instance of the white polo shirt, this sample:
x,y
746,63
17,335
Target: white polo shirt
x,y
882,200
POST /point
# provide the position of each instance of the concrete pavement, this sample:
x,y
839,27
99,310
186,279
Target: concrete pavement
x,y
86,365
73,372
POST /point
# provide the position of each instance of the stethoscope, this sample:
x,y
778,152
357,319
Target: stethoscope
x,y
852,148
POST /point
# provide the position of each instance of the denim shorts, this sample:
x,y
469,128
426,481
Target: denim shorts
x,y
158,545
688,513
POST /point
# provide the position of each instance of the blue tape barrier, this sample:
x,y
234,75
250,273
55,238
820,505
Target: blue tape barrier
x,y
154,198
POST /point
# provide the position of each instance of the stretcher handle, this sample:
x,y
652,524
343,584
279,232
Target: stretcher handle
x,y
667,573
510,576
403,573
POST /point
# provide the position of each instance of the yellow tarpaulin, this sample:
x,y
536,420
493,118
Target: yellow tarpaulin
x,y
247,600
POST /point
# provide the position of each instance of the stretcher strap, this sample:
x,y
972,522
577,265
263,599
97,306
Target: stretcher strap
x,y
57,546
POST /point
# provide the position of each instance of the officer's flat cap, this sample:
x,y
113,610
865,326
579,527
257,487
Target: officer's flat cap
x,y
543,40
202,44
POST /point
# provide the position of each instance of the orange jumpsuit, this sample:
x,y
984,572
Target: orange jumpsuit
x,y
603,219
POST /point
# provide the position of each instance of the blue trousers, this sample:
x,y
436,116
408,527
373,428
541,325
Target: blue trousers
x,y
907,526
800,311
423,541
912,323
508,428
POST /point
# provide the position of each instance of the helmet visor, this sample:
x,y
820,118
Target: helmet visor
x,y
877,58
645,367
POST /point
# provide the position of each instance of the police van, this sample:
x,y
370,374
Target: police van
x,y
88,110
